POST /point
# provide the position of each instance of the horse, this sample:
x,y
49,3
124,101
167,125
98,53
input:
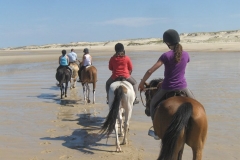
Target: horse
x,y
63,75
177,120
121,97
88,75
75,69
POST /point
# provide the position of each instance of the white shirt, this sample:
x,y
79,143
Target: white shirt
x,y
72,56
87,60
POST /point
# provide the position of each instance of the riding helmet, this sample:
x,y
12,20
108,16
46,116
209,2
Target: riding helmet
x,y
64,52
171,36
119,47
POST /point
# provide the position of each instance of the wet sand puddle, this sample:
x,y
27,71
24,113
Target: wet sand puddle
x,y
33,116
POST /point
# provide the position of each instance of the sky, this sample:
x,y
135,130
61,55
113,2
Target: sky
x,y
40,22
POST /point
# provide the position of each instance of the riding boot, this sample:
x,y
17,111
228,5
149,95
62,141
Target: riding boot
x,y
136,101
79,80
153,134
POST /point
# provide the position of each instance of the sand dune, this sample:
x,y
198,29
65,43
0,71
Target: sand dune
x,y
206,41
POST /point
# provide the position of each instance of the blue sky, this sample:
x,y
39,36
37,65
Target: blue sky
x,y
39,22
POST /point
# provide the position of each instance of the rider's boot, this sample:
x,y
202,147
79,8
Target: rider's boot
x,y
153,134
136,101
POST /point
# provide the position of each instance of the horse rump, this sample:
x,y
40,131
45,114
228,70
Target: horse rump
x,y
179,121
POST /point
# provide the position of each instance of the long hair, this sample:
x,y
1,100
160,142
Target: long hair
x,y
178,52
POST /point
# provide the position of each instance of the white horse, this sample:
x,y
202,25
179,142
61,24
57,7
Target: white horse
x,y
121,97
74,77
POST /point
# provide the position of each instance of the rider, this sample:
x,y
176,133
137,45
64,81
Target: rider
x,y
86,61
64,61
121,66
72,56
175,62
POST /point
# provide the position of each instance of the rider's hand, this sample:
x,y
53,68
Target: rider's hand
x,y
159,85
141,86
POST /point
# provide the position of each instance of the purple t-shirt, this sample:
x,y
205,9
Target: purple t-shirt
x,y
174,72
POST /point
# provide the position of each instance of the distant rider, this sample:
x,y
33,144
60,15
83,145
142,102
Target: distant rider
x,y
64,61
86,61
72,56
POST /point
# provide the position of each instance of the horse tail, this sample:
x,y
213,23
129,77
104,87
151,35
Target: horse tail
x,y
111,118
179,122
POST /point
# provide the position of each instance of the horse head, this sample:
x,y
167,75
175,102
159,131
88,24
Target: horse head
x,y
150,90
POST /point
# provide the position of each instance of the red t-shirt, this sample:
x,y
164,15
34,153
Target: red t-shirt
x,y
120,66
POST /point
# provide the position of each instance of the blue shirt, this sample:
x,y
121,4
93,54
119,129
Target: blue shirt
x,y
63,61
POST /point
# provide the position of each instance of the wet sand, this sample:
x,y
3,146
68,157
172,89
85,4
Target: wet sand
x,y
36,124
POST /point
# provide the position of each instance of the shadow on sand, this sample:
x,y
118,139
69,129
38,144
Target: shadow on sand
x,y
87,139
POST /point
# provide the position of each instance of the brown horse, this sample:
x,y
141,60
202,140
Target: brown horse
x,y
63,75
75,69
178,120
88,75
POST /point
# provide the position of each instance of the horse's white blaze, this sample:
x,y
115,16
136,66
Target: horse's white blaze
x,y
126,107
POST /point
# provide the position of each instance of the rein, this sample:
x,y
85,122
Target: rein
x,y
146,89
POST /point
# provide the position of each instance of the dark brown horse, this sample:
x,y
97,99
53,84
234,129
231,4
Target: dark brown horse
x,y
88,75
63,75
178,120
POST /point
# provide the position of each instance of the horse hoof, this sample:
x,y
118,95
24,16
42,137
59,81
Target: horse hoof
x,y
88,101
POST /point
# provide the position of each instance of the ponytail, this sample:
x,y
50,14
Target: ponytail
x,y
178,52
120,54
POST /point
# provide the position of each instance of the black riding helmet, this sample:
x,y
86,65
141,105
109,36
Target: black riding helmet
x,y
64,52
119,47
171,36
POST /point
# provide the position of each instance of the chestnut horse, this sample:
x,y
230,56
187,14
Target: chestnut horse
x,y
63,75
178,120
88,75
121,97
75,69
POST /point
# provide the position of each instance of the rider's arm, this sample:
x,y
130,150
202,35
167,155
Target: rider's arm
x,y
130,66
110,65
59,60
83,58
91,59
149,73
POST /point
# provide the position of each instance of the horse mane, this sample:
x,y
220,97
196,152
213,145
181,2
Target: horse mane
x,y
154,82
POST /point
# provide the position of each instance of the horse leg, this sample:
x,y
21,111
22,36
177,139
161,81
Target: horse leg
x,y
71,83
74,83
61,89
93,96
178,149
94,86
118,148
66,86
197,135
84,93
120,120
128,114
88,94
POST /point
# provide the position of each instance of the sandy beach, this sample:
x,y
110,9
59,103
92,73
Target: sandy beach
x,y
37,125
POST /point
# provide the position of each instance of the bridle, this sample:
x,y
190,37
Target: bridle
x,y
147,89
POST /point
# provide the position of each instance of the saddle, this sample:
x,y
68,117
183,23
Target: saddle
x,y
166,96
120,78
